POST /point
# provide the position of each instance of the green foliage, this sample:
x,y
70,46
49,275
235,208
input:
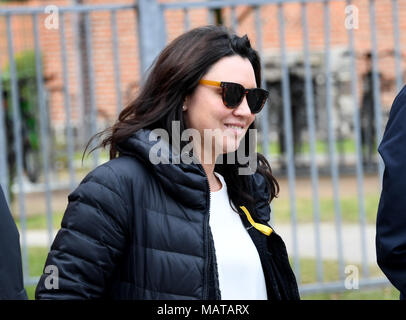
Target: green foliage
x,y
26,72
331,274
349,209
345,146
36,257
39,221
25,66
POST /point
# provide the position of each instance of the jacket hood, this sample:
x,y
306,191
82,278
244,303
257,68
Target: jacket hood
x,y
184,181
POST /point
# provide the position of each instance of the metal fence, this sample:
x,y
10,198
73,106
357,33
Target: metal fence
x,y
151,34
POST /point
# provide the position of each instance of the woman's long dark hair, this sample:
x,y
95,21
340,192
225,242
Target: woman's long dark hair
x,y
174,76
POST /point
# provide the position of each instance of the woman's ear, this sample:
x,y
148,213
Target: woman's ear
x,y
185,104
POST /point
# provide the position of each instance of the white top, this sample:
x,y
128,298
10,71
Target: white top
x,y
239,268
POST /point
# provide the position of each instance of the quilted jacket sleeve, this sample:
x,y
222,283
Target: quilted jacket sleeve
x,y
261,192
90,242
391,220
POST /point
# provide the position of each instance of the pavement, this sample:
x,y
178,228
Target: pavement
x,y
350,234
37,238
350,238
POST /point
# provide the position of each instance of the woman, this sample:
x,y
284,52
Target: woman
x,y
138,228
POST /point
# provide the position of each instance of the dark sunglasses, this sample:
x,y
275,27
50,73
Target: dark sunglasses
x,y
233,94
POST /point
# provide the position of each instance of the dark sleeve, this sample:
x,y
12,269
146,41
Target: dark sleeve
x,y
391,219
11,275
89,244
260,192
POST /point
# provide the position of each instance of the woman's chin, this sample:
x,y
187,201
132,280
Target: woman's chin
x,y
231,144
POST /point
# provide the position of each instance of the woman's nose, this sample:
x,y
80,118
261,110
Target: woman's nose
x,y
243,109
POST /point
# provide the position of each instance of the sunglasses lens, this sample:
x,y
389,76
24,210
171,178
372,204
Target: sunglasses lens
x,y
233,94
256,99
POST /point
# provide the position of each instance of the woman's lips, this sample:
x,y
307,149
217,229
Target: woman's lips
x,y
235,129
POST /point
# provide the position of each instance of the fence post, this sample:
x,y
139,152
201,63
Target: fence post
x,y
151,32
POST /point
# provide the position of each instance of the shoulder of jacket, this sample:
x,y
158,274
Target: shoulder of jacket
x,y
120,175
121,169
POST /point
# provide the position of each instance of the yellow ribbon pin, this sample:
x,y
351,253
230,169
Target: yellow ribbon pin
x,y
260,227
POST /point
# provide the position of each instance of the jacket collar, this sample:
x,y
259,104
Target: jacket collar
x,y
185,182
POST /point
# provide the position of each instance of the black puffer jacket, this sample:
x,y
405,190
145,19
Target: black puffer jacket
x,y
133,230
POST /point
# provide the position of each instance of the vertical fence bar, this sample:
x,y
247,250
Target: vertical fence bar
x,y
358,150
92,98
287,117
398,54
186,19
312,139
151,32
116,55
43,128
4,174
331,138
210,17
162,36
264,113
66,94
18,147
76,23
376,84
234,20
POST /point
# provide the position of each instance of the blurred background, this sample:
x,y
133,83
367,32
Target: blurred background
x,y
333,68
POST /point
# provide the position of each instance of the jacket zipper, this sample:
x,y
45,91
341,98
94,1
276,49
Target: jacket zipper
x,y
205,230
206,238
208,251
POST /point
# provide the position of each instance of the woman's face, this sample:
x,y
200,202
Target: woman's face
x,y
205,108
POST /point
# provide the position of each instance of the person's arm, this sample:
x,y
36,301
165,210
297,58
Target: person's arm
x,y
11,274
90,242
391,219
